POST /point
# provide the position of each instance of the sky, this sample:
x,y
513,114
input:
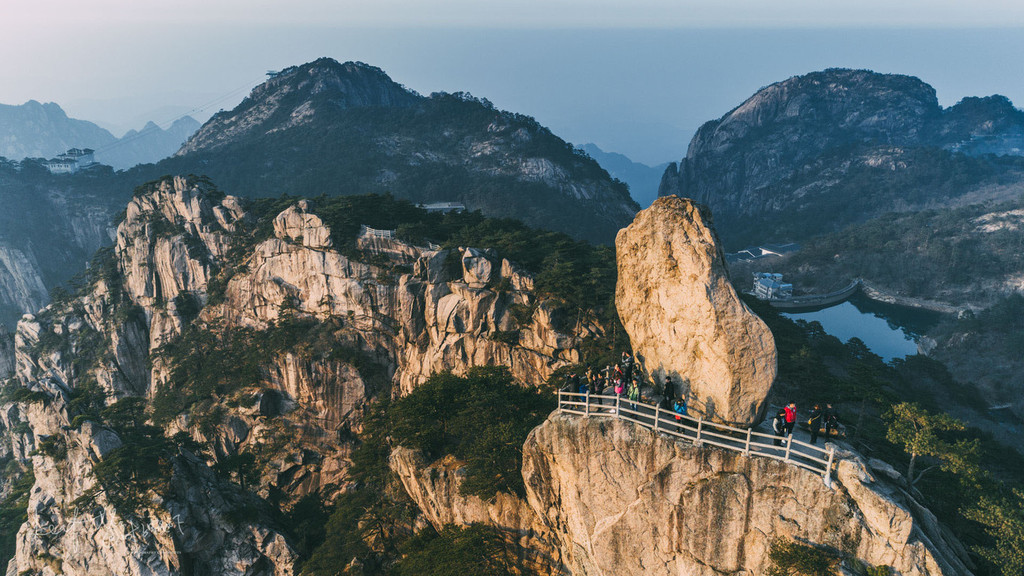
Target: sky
x,y
636,77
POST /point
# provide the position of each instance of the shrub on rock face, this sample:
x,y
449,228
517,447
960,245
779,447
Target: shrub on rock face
x,y
482,418
465,551
789,558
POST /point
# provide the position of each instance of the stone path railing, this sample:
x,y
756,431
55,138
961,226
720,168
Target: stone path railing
x,y
699,431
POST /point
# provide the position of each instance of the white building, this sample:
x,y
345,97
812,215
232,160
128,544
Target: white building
x,y
768,286
71,161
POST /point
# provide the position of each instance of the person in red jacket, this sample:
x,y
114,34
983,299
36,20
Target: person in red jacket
x,y
790,418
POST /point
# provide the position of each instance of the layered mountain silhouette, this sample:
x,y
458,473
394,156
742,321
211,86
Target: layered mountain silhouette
x,y
814,153
332,128
643,180
35,130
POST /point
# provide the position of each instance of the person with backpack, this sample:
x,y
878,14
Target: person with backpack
x,y
831,421
779,426
633,395
790,411
680,409
814,423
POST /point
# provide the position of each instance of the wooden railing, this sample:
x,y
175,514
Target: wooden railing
x,y
699,431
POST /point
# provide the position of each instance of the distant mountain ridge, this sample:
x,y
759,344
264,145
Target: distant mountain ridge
x,y
35,130
347,128
792,151
643,180
150,144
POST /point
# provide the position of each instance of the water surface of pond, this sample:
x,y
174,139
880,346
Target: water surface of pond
x,y
888,330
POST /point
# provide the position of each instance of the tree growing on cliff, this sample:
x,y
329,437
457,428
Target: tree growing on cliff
x,y
790,558
1003,519
923,434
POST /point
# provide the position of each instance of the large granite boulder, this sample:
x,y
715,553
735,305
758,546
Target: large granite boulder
x,y
683,317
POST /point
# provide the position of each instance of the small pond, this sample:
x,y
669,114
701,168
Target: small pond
x,y
888,330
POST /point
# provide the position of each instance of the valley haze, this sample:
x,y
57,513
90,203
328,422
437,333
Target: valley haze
x,y
396,288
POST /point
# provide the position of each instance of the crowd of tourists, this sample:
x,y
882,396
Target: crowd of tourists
x,y
785,420
625,380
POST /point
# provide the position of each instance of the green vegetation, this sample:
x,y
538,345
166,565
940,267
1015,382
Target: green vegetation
x,y
1003,519
482,419
894,412
14,508
920,432
210,361
475,550
928,254
850,190
141,467
791,558
369,522
987,347
363,150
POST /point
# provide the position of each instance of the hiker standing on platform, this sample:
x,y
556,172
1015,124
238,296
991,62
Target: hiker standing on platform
x,y
634,395
680,409
779,426
790,417
814,423
831,421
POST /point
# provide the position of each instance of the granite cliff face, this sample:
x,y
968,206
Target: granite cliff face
x,y
685,320
784,154
391,324
49,229
620,499
606,497
6,354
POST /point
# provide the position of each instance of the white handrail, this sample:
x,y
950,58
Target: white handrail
x,y
701,431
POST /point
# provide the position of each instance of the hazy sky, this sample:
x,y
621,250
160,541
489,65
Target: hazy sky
x,y
635,77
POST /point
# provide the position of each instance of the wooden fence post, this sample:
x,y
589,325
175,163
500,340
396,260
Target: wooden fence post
x,y
657,415
618,397
587,407
789,446
559,401
700,425
828,467
746,446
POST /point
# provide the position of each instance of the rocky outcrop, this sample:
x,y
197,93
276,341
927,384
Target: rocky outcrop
x,y
683,317
377,329
285,97
774,167
50,229
6,354
435,487
623,500
190,531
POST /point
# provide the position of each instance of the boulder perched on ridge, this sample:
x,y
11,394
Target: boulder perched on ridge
x,y
683,317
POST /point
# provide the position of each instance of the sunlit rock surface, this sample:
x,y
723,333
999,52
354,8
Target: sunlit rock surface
x,y
684,318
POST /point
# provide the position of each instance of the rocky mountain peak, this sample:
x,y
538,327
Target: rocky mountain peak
x,y
292,97
684,318
785,152
829,107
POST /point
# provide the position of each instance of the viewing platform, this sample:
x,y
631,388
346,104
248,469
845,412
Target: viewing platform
x,y
699,431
